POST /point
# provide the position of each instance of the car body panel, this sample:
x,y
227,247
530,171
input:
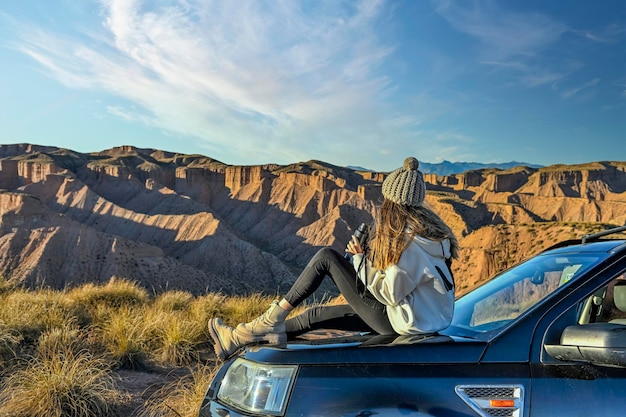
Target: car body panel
x,y
357,349
575,389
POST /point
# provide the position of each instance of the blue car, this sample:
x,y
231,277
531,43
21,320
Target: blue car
x,y
545,338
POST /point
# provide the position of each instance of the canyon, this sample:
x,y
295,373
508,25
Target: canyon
x,y
190,222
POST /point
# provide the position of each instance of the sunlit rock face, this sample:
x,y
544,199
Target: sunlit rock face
x,y
172,221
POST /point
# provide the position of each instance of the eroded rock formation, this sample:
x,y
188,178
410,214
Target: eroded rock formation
x,y
190,222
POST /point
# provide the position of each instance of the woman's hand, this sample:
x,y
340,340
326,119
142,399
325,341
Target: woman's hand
x,y
354,246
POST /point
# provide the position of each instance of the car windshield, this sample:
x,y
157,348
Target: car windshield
x,y
506,297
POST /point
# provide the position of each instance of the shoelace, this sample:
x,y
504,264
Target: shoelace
x,y
262,317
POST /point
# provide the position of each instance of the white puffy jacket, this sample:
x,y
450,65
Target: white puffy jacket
x,y
418,291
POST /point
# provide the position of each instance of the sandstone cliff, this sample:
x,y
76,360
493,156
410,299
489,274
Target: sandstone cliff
x,y
191,222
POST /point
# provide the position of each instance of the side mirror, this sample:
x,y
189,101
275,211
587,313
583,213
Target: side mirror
x,y
601,344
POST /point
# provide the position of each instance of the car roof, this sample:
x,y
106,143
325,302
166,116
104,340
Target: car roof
x,y
602,246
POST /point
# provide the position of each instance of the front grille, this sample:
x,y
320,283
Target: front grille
x,y
501,412
490,392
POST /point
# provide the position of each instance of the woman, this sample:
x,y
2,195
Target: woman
x,y
402,286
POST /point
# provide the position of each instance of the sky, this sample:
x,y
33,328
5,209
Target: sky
x,y
352,83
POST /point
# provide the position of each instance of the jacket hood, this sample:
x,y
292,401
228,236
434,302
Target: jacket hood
x,y
439,249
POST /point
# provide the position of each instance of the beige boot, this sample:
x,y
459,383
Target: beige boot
x,y
226,340
269,327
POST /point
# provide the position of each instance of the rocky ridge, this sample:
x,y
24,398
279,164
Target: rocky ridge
x,y
172,221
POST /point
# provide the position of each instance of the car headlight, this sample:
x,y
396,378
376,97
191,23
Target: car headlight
x,y
256,387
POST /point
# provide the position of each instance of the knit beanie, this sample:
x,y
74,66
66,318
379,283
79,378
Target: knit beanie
x,y
405,185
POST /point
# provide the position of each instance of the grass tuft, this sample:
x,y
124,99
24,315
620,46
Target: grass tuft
x,y
71,384
9,343
176,337
5,285
124,336
207,306
242,309
181,398
173,301
114,294
60,340
29,313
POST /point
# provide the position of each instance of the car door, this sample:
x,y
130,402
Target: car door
x,y
562,387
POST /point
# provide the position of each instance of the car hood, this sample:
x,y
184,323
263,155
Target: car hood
x,y
370,349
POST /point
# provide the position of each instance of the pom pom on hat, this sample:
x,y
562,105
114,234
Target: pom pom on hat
x,y
406,185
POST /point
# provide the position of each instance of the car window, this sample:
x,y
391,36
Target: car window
x,y
607,304
514,292
511,301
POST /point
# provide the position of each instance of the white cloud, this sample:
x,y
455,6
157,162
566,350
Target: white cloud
x,y
256,81
233,73
571,92
609,34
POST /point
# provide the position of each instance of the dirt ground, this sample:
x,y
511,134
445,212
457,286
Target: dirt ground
x,y
138,386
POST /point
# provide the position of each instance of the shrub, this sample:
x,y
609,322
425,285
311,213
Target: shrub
x,y
59,340
64,385
9,342
173,301
114,294
124,336
31,313
176,337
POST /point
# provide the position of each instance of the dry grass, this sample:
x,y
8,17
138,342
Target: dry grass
x,y
58,348
205,307
5,285
114,294
174,336
241,309
29,313
181,398
173,301
57,385
69,337
123,335
9,342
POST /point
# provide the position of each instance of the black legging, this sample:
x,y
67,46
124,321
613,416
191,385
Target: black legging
x,y
363,312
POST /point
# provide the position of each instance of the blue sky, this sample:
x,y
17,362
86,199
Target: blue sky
x,y
347,82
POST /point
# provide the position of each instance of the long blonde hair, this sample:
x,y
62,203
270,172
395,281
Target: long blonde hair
x,y
396,226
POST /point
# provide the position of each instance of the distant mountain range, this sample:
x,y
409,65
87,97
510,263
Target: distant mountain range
x,y
451,168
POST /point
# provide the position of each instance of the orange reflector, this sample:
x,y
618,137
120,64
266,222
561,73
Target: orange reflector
x,y
501,403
